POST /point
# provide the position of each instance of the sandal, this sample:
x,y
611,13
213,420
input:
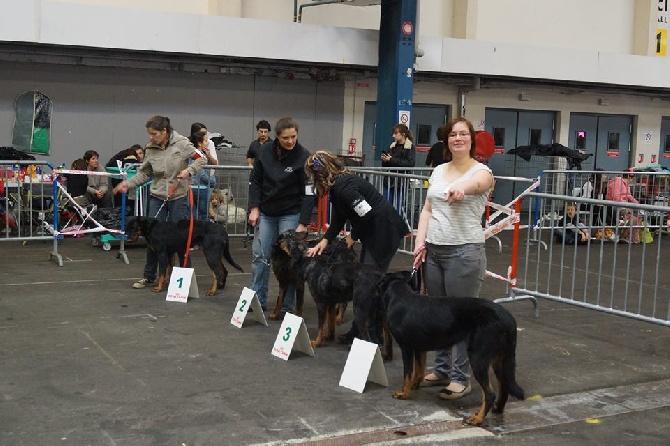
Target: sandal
x,y
447,394
434,380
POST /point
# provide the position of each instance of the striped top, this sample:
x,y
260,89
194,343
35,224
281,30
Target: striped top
x,y
458,223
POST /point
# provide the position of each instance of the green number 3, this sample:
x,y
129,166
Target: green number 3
x,y
287,336
244,304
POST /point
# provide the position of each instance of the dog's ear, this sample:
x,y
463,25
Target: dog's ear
x,y
301,235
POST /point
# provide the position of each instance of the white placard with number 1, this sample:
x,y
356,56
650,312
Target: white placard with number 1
x,y
292,335
182,285
248,299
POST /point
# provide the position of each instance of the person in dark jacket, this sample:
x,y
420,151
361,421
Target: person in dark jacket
x,y
401,151
76,183
374,222
263,129
132,155
277,202
438,153
400,154
569,229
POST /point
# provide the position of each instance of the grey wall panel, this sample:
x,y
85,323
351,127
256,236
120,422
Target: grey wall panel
x,y
105,109
318,108
329,117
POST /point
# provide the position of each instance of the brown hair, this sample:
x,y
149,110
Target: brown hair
x,y
450,125
158,122
285,123
404,131
322,167
79,164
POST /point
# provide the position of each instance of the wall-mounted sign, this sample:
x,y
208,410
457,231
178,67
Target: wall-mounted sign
x,y
648,137
403,117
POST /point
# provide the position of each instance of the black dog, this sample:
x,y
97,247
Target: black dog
x,y
168,238
287,275
332,284
423,323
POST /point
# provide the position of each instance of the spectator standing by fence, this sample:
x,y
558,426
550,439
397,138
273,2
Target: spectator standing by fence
x,y
263,132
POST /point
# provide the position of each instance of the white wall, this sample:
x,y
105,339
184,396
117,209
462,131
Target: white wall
x,y
178,6
595,25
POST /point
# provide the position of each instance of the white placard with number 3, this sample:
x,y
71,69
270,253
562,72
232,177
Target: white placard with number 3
x,y
292,335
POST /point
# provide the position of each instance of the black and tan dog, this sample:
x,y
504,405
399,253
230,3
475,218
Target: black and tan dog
x,y
286,274
332,284
168,238
423,323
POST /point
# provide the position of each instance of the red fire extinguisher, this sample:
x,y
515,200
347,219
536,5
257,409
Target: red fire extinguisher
x,y
352,146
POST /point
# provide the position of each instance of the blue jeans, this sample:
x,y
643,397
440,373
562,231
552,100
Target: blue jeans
x,y
265,235
455,271
173,210
200,202
395,196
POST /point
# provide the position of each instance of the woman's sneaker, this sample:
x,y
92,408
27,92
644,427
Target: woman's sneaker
x,y
142,283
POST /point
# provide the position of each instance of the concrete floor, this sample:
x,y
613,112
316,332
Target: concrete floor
x,y
87,360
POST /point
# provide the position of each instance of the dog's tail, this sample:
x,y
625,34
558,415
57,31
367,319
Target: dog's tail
x,y
509,367
229,258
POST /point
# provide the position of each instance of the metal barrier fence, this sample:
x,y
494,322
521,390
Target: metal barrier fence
x,y
34,205
606,273
406,191
27,202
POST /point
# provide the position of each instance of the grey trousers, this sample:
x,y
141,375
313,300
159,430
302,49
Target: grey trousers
x,y
455,271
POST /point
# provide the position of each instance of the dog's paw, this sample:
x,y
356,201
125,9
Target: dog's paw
x,y
315,344
400,395
497,410
473,420
339,320
157,289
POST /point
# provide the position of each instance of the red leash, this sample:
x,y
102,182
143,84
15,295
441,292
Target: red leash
x,y
190,225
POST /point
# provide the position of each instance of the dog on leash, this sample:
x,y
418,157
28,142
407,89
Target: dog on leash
x,y
222,208
282,267
338,283
169,238
422,323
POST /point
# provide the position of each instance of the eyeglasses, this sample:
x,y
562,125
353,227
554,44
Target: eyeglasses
x,y
461,134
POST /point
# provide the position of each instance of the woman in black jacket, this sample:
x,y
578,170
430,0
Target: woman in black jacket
x,y
373,220
400,154
277,202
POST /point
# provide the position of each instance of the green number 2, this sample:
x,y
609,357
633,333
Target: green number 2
x,y
244,304
287,336
181,281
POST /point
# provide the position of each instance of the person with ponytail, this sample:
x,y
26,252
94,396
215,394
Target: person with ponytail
x,y
166,163
374,222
